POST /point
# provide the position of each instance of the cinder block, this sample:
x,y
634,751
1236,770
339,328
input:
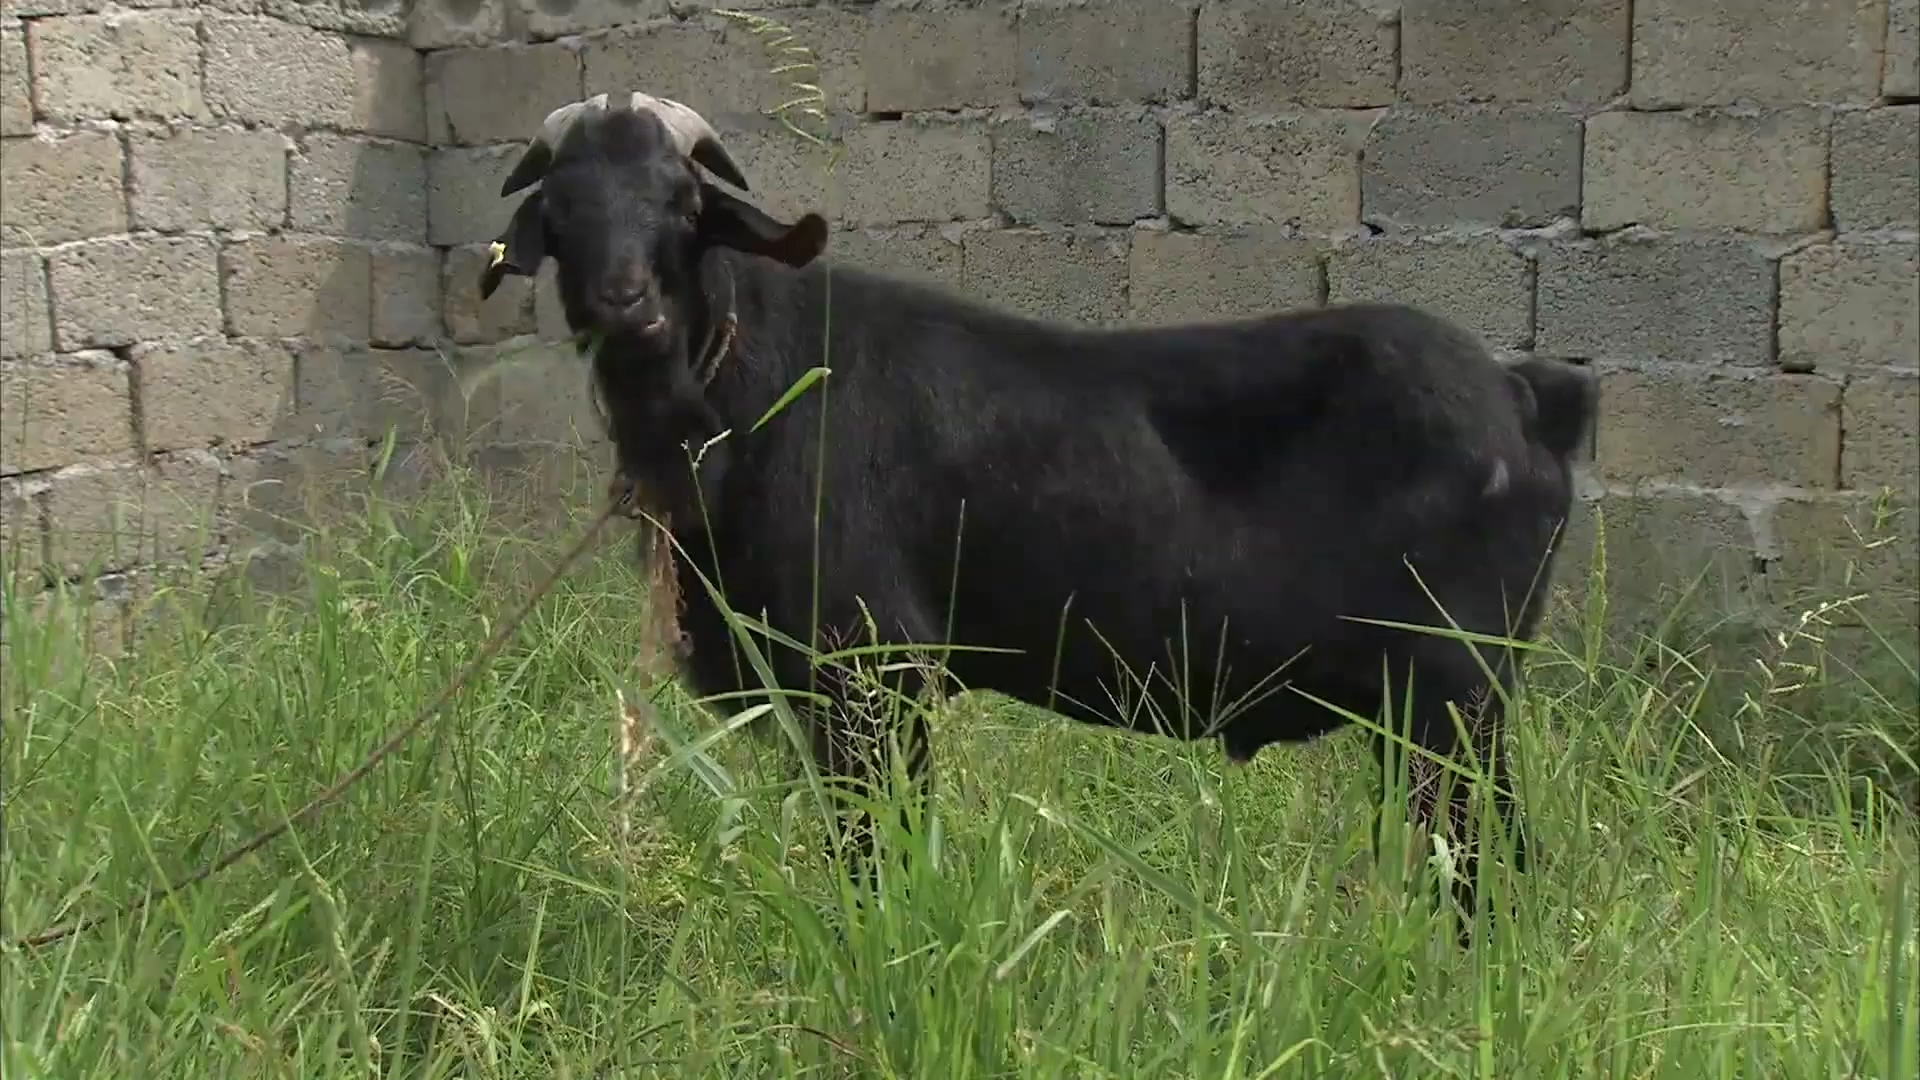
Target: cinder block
x,y
1276,55
440,24
109,293
1077,168
299,286
225,178
279,491
1718,427
690,62
1661,544
1478,281
1900,73
916,170
1302,170
470,320
1471,164
116,517
547,490
124,65
941,59
1763,173
389,90
543,392
837,37
720,69
478,96
1190,277
371,18
61,188
345,186
1827,549
406,295
358,392
1849,304
264,71
27,9
463,194
1515,51
554,18
213,392
26,313
23,534
58,410
916,251
1876,168
1112,53
550,315
1882,421
1077,276
1704,301
789,174
16,89
97,624
1765,52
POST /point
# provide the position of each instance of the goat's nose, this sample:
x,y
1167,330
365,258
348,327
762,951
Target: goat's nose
x,y
623,293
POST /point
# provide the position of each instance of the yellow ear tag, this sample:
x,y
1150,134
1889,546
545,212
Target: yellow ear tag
x,y
499,251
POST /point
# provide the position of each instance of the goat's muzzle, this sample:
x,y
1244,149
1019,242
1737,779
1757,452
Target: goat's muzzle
x,y
641,319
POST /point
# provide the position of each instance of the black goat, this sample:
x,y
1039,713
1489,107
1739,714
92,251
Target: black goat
x,y
1220,500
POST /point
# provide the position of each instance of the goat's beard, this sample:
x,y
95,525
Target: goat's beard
x,y
662,642
661,638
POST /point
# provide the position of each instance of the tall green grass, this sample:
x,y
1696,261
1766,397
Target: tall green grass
x,y
1084,903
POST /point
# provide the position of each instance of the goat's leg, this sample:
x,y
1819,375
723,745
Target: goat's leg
x,y
861,736
1434,731
856,742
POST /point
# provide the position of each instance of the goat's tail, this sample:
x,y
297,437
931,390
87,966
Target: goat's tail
x,y
1560,401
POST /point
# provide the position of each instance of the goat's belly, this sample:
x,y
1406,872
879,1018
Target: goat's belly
x,y
1141,639
1145,666
1249,702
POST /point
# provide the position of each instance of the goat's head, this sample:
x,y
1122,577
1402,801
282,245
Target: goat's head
x,y
626,217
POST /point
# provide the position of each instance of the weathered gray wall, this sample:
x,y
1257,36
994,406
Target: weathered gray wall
x,y
229,225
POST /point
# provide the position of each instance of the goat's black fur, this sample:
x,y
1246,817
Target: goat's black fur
x,y
1213,503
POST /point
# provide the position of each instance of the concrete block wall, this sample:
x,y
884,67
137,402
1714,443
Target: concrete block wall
x,y
217,290
226,222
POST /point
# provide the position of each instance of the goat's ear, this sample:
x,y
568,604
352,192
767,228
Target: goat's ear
x,y
519,249
738,224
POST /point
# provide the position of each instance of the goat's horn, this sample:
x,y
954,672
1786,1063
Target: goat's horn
x,y
539,152
691,133
693,137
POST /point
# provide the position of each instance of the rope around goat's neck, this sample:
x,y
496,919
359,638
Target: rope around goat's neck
x,y
719,336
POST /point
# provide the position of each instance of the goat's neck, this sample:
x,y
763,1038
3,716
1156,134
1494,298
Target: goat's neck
x,y
713,343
